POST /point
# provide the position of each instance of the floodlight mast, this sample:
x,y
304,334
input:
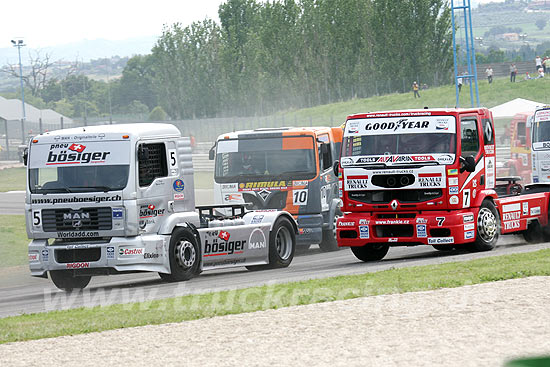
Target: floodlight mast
x,y
19,43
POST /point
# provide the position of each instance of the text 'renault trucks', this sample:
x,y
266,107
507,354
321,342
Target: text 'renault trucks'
x,y
120,198
285,169
540,146
427,177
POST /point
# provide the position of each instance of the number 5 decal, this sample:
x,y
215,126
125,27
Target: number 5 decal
x,y
299,197
466,198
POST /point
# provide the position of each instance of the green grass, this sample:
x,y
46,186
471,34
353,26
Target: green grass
x,y
500,91
13,247
12,179
191,307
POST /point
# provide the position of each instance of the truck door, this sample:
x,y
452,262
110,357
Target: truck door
x,y
328,181
154,184
469,182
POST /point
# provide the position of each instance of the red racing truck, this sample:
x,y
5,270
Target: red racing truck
x,y
427,177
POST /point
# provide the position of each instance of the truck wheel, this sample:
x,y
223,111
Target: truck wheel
x,y
184,256
329,241
282,244
488,227
372,252
64,280
533,233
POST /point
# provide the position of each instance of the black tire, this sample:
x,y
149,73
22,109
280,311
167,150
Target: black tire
x,y
329,242
488,228
533,233
282,245
66,281
373,252
184,255
446,248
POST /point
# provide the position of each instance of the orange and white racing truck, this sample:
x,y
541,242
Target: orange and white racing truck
x,y
427,177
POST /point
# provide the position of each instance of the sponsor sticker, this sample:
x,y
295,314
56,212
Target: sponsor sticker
x,y
511,216
300,183
356,183
229,187
535,210
178,185
131,251
469,226
257,219
117,213
453,200
259,185
45,255
452,172
179,196
525,206
421,220
151,255
467,218
513,224
224,235
346,224
511,208
453,190
84,265
363,221
421,231
468,235
33,257
110,252
453,181
364,232
440,240
257,240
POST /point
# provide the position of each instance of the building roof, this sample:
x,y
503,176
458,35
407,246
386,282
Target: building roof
x,y
10,110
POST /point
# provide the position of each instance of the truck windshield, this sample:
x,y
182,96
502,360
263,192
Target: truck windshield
x,y
541,132
78,178
265,158
399,144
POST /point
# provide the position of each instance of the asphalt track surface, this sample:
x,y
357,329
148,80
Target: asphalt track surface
x,y
21,294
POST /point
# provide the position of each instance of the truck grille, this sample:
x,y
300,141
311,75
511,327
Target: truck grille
x,y
77,255
386,196
394,230
85,219
275,200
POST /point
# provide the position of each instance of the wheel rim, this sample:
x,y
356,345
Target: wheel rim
x,y
283,241
486,225
186,254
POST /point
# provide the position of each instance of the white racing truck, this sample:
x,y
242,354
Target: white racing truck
x,y
120,198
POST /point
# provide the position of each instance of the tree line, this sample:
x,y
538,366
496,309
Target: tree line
x,y
267,56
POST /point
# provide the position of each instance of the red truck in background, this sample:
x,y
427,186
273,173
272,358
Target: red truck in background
x,y
519,163
428,177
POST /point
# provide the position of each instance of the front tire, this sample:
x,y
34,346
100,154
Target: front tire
x,y
373,252
488,228
64,280
184,256
282,245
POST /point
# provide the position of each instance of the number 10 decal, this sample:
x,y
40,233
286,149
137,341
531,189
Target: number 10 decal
x,y
466,198
299,197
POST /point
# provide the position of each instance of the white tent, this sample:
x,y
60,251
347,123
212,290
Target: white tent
x,y
509,109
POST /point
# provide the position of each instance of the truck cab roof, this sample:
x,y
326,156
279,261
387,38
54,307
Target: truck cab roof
x,y
420,112
112,132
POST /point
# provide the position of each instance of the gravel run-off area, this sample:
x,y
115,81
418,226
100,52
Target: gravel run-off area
x,y
478,325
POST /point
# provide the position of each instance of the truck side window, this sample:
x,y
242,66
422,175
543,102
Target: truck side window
x,y
325,157
470,137
154,166
521,133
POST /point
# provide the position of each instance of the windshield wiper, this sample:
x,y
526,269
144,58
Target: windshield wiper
x,y
53,190
102,188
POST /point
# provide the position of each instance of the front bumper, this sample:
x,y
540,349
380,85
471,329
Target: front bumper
x,y
122,254
407,229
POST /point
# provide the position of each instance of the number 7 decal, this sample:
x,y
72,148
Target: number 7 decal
x,y
466,198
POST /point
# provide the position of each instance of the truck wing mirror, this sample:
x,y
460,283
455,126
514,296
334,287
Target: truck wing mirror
x,y
335,168
143,153
467,164
212,152
25,156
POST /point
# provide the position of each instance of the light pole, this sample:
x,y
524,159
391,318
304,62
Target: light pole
x,y
19,43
